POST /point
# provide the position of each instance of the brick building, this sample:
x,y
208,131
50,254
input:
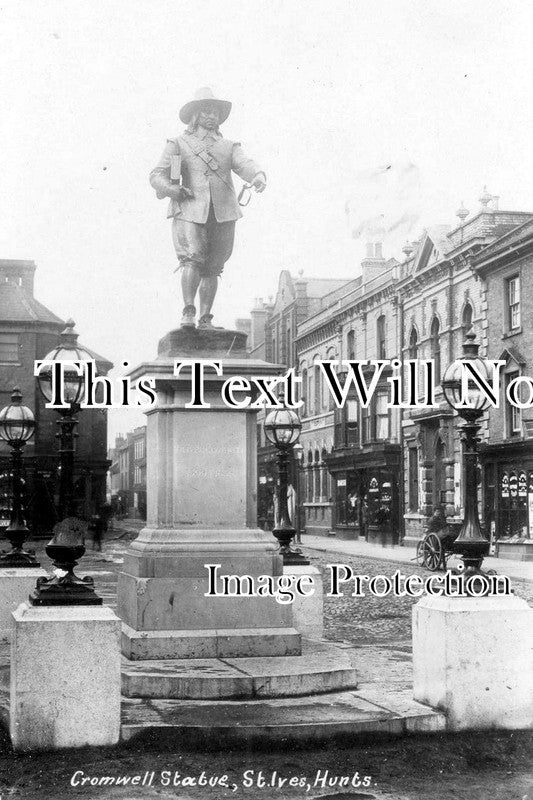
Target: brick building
x,y
274,328
506,271
127,473
29,331
352,455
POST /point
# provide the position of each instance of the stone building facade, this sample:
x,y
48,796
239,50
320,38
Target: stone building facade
x,y
295,300
505,269
381,472
442,297
352,454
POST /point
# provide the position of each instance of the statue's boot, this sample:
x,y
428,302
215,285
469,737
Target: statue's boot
x,y
206,292
187,320
205,322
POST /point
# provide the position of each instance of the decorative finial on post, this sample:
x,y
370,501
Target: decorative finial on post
x,y
462,212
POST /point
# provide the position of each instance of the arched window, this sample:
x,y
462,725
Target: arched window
x,y
316,492
380,337
467,318
318,390
327,400
413,343
434,337
309,478
304,395
350,345
326,477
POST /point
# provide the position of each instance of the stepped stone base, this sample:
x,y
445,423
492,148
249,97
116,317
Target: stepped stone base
x,y
322,667
343,715
218,643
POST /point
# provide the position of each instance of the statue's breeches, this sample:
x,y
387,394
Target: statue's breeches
x,y
206,246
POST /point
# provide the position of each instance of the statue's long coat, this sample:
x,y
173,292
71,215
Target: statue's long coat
x,y
206,185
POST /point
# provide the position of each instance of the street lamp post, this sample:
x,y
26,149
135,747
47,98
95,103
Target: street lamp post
x,y
17,425
471,544
67,543
298,452
282,428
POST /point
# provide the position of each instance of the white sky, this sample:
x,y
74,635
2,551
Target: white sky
x,y
321,90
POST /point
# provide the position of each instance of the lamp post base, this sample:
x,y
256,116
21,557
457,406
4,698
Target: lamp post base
x,y
19,559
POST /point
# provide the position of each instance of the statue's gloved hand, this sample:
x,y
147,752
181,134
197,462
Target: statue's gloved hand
x,y
259,182
179,193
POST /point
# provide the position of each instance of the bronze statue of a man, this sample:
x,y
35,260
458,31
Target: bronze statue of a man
x,y
195,172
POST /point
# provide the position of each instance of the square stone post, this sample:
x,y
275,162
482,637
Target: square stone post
x,y
65,677
473,659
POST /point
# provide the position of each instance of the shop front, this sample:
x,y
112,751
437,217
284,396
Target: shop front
x,y
366,493
508,498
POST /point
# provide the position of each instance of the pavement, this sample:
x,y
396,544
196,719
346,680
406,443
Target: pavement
x,y
519,570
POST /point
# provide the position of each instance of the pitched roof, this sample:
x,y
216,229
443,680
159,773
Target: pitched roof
x,y
318,287
17,305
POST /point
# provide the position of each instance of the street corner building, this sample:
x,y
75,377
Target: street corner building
x,y
28,331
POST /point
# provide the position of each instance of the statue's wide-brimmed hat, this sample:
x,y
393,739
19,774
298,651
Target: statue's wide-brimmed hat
x,y
201,96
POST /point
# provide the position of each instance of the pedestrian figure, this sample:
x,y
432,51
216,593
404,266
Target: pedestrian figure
x,y
96,526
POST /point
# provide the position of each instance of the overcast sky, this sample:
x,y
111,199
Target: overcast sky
x,y
324,93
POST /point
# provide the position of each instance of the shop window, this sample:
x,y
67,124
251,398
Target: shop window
x,y
513,302
9,347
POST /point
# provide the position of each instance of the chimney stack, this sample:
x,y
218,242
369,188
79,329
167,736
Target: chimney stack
x,y
374,263
19,272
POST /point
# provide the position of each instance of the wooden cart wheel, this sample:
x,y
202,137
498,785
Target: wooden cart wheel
x,y
420,553
432,552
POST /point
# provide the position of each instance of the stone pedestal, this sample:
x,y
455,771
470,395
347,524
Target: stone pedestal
x,y
473,659
15,587
201,510
308,612
65,677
